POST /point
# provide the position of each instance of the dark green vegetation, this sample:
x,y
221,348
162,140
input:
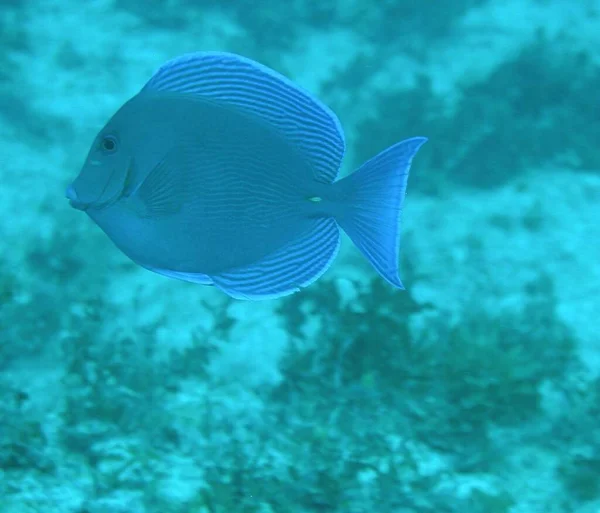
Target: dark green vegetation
x,y
356,420
537,109
449,389
578,433
275,27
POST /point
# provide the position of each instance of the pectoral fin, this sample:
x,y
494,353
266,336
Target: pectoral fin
x,y
163,191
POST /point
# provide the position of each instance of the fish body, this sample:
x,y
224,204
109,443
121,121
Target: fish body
x,y
220,171
197,169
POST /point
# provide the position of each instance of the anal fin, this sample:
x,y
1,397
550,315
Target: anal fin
x,y
199,278
287,270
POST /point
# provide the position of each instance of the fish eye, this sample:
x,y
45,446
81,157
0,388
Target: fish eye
x,y
109,144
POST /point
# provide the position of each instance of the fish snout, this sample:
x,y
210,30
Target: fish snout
x,y
74,199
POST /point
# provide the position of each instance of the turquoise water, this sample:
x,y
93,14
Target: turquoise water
x,y
476,390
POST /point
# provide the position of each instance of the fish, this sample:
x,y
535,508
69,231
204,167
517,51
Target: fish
x,y
222,171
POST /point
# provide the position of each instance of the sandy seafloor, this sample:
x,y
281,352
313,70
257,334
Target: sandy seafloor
x,y
476,390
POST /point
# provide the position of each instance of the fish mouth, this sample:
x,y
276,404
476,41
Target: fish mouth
x,y
115,188
74,201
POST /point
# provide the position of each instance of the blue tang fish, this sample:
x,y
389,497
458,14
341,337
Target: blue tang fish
x,y
221,171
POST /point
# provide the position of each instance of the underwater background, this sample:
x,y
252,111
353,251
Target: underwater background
x,y
476,390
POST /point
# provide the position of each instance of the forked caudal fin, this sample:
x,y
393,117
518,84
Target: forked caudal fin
x,y
373,197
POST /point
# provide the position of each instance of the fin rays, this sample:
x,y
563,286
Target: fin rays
x,y
259,91
287,270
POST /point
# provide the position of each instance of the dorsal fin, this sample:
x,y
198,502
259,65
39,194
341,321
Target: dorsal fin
x,y
262,93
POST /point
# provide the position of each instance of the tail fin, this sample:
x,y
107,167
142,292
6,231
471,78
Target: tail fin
x,y
373,197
